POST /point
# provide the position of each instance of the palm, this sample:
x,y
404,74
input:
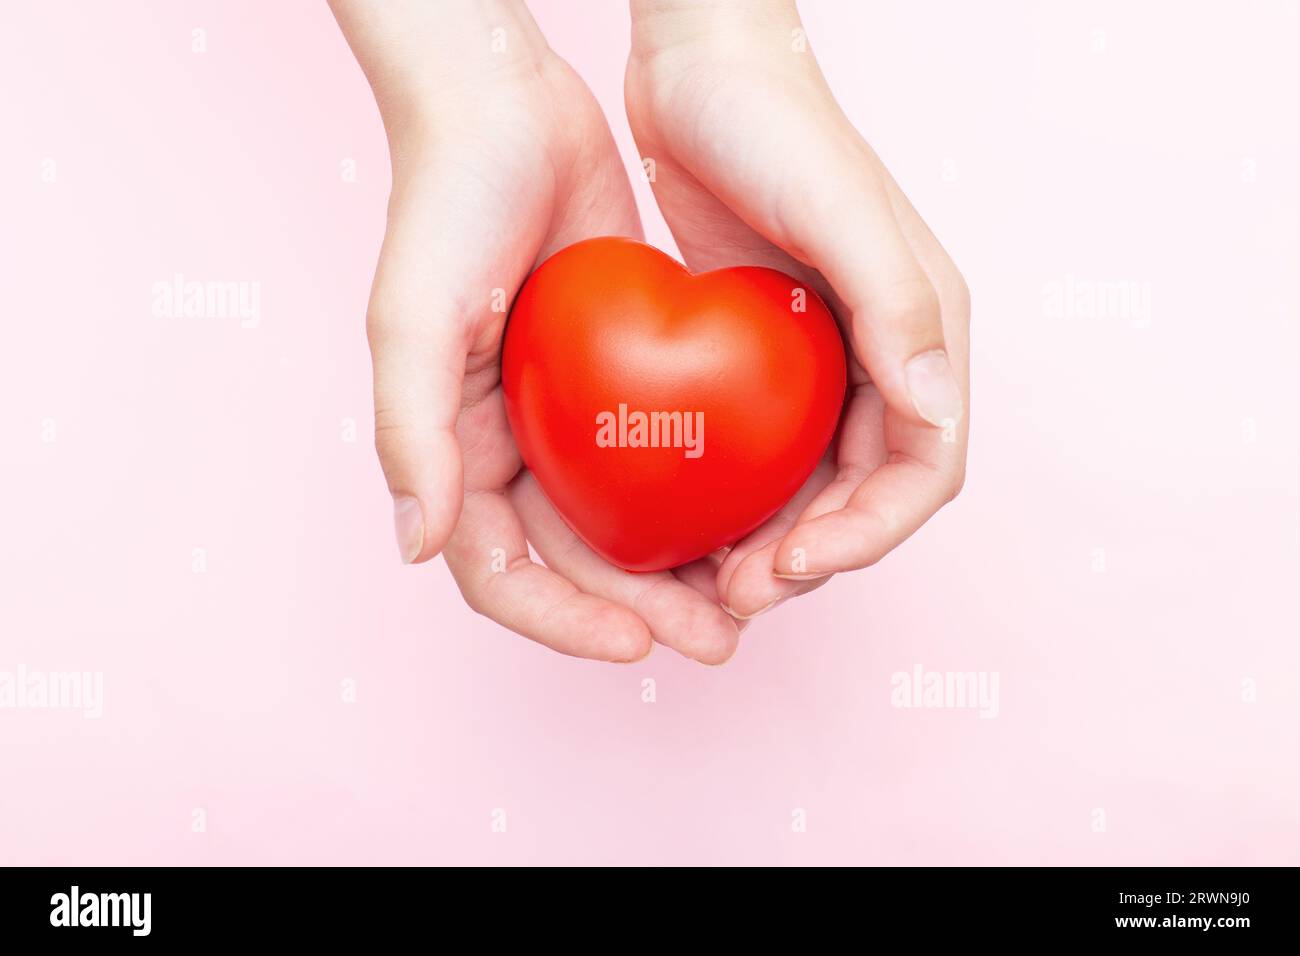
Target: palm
x,y
545,176
735,157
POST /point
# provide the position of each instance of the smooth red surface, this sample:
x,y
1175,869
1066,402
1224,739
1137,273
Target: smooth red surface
x,y
609,321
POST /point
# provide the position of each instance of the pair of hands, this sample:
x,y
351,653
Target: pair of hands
x,y
501,157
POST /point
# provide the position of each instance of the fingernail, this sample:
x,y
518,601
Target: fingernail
x,y
634,660
933,388
409,523
791,576
752,614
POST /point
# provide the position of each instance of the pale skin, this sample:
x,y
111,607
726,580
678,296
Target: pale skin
x,y
501,157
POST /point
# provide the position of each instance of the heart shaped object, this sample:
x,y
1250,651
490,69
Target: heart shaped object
x,y
666,414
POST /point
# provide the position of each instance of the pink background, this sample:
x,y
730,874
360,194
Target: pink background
x,y
1151,143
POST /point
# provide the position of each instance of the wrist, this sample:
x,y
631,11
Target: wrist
x,y
720,27
429,64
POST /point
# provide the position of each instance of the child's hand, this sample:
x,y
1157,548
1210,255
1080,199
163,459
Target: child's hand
x,y
500,157
756,164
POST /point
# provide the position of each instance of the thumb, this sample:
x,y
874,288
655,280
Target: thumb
x,y
418,348
821,199
854,240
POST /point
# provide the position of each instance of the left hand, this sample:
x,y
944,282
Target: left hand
x,y
501,157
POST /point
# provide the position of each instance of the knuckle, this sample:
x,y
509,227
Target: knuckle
x,y
911,307
376,328
391,435
954,293
388,426
475,602
381,325
956,483
391,321
476,594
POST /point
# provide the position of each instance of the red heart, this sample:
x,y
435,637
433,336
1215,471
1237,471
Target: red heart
x,y
750,360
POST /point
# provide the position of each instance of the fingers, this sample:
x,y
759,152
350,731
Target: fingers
x,y
954,296
417,378
755,589
678,615
418,350
819,196
882,512
744,579
489,558
702,575
891,476
855,240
